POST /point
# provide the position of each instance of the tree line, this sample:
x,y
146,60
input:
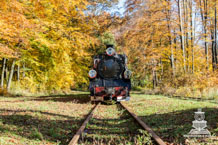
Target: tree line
x,y
172,43
48,44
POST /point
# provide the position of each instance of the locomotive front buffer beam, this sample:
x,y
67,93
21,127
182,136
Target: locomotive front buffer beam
x,y
118,99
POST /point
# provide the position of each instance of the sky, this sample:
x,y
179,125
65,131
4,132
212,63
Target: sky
x,y
119,8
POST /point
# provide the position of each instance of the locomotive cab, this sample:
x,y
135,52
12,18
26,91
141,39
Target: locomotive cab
x,y
110,77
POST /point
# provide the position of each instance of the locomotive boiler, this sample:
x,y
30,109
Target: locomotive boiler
x,y
110,77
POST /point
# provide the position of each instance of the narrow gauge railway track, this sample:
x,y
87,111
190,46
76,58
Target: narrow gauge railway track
x,y
81,130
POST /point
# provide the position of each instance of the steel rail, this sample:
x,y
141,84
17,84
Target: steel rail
x,y
76,137
156,138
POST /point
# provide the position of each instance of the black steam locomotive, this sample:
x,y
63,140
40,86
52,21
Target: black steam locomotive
x,y
110,77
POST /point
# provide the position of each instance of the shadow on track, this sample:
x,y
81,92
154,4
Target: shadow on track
x,y
77,98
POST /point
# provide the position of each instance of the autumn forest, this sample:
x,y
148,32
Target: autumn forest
x,y
48,45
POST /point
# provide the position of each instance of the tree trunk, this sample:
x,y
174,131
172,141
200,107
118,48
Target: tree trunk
x,y
154,74
204,20
186,32
6,69
3,72
170,40
206,44
213,38
154,79
215,45
192,35
175,48
24,70
182,34
172,60
11,74
162,67
18,73
212,49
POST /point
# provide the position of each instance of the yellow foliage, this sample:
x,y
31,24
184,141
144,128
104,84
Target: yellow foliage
x,y
51,37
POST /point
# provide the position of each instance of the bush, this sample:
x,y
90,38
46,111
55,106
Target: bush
x,y
184,92
137,88
4,92
210,93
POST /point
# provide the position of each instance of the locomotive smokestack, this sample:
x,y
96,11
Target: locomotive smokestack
x,y
110,51
109,46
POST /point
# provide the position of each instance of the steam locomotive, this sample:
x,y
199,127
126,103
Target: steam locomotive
x,y
110,77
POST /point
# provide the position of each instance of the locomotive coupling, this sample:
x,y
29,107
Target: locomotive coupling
x,y
110,90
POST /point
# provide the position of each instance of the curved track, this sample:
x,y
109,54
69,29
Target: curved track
x,y
154,136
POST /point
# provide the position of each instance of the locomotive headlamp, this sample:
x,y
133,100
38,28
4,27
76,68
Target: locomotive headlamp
x,y
127,74
92,73
110,51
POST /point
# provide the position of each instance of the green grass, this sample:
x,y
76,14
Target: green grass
x,y
35,134
42,120
55,119
171,118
